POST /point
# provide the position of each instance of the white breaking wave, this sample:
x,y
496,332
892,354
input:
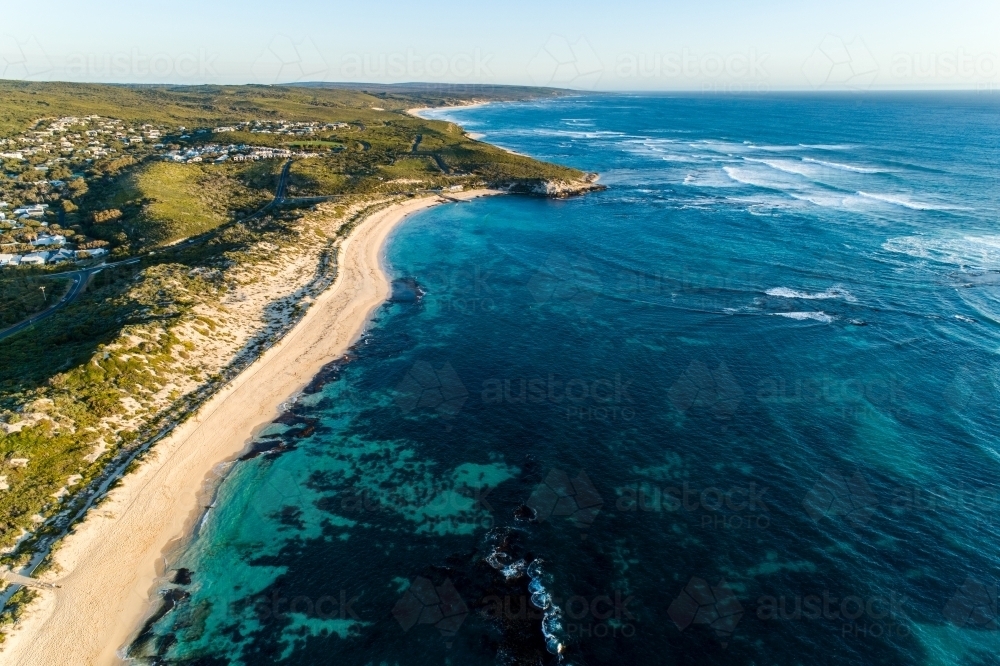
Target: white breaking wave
x,y
821,199
748,177
832,292
775,149
906,202
843,167
818,316
965,251
785,166
826,146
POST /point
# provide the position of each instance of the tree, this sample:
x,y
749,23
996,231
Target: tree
x,y
77,187
60,172
69,206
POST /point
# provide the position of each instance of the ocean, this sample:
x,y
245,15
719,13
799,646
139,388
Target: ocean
x,y
739,408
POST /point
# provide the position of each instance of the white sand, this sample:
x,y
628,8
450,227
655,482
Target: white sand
x,y
464,105
108,568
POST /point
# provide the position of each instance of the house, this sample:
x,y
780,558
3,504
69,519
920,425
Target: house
x,y
91,254
57,239
62,255
35,259
32,210
10,259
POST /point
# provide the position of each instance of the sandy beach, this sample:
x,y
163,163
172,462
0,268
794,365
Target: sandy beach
x,y
110,565
468,105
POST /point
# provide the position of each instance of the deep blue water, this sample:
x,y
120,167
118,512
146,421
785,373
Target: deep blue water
x,y
740,408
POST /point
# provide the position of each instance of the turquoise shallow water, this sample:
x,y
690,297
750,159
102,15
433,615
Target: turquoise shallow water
x,y
740,408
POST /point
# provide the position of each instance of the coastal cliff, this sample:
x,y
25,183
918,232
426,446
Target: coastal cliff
x,y
557,189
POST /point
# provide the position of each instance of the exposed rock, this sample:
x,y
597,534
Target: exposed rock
x,y
557,189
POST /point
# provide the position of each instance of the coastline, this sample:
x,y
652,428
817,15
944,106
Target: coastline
x,y
415,112
110,564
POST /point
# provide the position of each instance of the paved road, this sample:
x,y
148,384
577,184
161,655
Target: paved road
x,y
279,194
79,279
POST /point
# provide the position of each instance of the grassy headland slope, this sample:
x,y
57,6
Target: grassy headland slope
x,y
362,143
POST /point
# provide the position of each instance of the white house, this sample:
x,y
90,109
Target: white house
x,y
34,259
57,239
62,255
91,254
10,259
33,210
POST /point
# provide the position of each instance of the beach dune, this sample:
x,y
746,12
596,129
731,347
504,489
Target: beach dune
x,y
108,568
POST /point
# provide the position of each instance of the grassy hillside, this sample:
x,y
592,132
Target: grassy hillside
x,y
163,202
129,198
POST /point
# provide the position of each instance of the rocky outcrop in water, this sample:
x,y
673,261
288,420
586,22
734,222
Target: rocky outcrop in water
x,y
558,189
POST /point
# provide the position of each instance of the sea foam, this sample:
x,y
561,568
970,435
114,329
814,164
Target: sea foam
x,y
842,167
817,316
835,291
907,202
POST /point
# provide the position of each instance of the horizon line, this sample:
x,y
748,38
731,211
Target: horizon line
x,y
430,85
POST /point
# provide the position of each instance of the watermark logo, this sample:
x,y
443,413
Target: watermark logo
x,y
565,64
286,60
974,605
412,65
837,64
739,68
859,616
140,65
852,397
561,278
972,390
737,507
979,67
603,398
426,388
23,58
558,495
699,603
326,607
834,495
425,603
700,388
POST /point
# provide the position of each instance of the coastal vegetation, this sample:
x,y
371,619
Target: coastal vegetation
x,y
229,253
24,295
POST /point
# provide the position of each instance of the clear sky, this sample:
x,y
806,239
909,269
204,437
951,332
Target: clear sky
x,y
734,45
